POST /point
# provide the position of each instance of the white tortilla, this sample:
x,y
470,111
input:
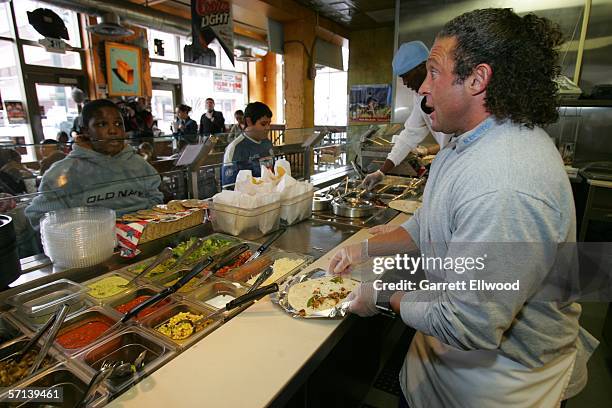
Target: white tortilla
x,y
406,206
300,293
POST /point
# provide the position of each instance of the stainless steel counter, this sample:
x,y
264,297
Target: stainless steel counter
x,y
313,237
307,237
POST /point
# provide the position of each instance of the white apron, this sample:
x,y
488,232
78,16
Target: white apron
x,y
437,375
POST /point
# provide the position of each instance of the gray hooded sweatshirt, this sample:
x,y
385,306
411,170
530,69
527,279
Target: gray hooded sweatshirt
x,y
124,183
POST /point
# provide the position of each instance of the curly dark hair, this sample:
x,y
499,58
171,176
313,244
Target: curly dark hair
x,y
522,52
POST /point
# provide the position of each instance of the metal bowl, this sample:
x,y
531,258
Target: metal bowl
x,y
321,203
353,207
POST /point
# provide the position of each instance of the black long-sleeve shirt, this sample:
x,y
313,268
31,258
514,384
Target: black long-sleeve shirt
x,y
212,126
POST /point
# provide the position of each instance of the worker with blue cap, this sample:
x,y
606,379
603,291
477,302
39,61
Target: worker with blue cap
x,y
409,64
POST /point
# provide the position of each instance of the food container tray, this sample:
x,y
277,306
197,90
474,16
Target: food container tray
x,y
162,316
36,320
217,292
135,293
133,270
9,329
90,326
63,376
297,208
126,346
165,281
9,350
220,273
47,298
247,223
247,277
111,293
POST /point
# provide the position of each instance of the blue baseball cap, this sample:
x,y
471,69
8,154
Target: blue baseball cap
x,y
408,56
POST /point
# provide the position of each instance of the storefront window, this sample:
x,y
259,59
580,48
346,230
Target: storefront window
x,y
227,88
330,97
39,56
13,129
57,109
5,17
166,71
27,32
162,108
168,44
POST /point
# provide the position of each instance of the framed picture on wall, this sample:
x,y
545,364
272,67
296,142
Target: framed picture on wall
x,y
370,103
123,69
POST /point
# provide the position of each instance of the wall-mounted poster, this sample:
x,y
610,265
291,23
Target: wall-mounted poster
x,y
15,112
370,103
123,69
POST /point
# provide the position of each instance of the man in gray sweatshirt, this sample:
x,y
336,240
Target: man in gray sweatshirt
x,y
100,171
499,193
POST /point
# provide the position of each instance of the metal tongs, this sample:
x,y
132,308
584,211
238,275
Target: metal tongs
x,y
52,327
163,256
266,244
104,372
198,243
196,270
239,301
226,257
108,369
261,278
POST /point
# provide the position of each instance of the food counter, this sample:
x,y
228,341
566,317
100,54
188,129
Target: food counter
x,y
260,351
261,336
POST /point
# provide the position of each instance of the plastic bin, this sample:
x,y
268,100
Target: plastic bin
x,y
297,208
248,224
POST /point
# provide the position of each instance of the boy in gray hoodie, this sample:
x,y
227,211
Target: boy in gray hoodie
x,y
100,171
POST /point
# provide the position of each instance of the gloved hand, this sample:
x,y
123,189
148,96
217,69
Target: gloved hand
x,y
371,180
382,229
349,255
363,300
420,151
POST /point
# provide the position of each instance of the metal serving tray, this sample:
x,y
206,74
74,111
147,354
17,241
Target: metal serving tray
x,y
136,292
9,329
36,320
10,349
151,323
217,287
47,298
95,313
64,376
126,346
102,300
136,268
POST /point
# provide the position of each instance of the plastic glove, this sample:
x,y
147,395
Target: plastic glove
x,y
382,229
349,255
371,180
363,300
